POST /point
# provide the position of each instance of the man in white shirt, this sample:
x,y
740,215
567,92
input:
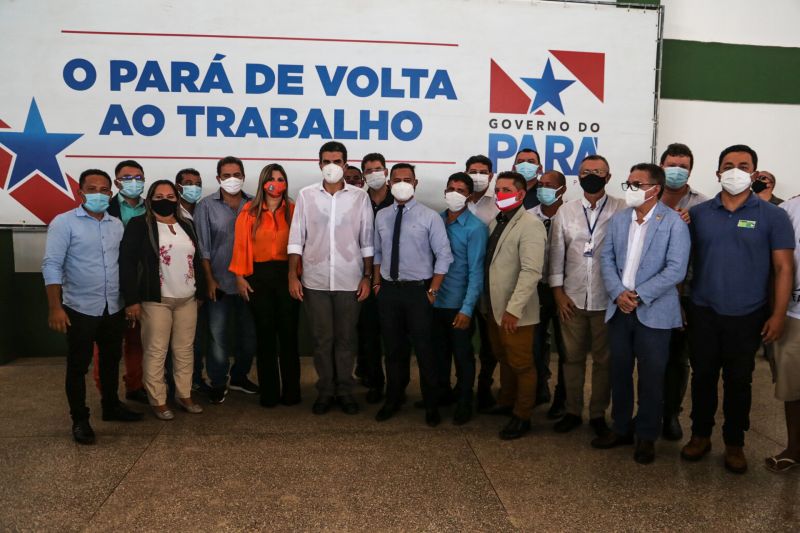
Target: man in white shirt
x,y
332,232
576,238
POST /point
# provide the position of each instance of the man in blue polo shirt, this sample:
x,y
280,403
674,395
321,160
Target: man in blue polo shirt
x,y
458,294
738,241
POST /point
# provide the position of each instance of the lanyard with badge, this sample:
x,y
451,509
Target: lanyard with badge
x,y
588,248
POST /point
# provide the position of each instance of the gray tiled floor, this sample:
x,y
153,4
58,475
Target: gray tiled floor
x,y
241,467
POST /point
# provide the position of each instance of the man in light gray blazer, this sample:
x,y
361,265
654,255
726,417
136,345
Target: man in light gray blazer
x,y
644,259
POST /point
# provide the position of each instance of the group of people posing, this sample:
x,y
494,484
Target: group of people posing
x,y
655,279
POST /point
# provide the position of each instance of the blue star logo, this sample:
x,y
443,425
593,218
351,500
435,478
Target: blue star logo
x,y
548,89
36,150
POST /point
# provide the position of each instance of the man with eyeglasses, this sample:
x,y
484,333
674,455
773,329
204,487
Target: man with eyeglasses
x,y
764,185
577,236
126,204
215,220
643,260
550,193
482,204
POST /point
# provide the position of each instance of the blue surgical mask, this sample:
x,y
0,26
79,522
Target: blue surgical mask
x,y
547,196
96,202
676,177
528,170
132,188
191,193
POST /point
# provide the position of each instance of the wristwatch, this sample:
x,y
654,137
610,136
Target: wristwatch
x,y
433,292
638,298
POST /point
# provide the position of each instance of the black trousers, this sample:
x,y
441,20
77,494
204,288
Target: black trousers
x,y
548,313
370,350
485,355
676,378
275,315
727,343
406,314
84,331
448,344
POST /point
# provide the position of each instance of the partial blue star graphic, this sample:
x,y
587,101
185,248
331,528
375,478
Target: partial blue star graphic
x,y
548,89
36,149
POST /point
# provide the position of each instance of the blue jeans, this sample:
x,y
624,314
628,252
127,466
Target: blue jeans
x,y
219,345
631,340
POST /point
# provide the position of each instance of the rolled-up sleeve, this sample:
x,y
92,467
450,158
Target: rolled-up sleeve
x,y
297,231
440,245
366,238
58,238
476,253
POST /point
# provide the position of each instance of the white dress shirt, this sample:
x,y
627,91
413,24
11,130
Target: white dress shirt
x,y
579,275
485,208
332,233
633,256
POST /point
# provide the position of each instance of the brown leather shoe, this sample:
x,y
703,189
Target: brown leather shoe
x,y
735,461
696,448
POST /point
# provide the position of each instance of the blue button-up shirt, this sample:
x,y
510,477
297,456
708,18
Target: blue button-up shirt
x,y
82,255
733,253
464,280
424,248
215,223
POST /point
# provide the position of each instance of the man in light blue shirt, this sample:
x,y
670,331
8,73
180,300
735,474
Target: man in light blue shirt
x,y
81,275
452,314
412,255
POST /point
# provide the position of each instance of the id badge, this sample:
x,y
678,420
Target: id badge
x,y
588,249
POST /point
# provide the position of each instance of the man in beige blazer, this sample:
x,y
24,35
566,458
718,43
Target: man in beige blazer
x,y
514,259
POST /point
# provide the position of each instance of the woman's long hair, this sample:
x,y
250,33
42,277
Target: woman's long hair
x,y
148,210
258,204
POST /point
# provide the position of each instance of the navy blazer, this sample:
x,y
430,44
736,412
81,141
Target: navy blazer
x,y
665,256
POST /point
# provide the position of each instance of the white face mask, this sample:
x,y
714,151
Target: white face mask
x,y
231,185
376,179
455,201
735,181
332,173
402,191
480,181
636,198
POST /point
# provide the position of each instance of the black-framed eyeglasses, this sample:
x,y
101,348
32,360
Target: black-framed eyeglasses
x,y
635,186
137,177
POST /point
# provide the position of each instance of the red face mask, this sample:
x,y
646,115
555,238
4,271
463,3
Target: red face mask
x,y
275,188
507,201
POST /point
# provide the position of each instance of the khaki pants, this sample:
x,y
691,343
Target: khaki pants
x,y
173,319
514,351
586,332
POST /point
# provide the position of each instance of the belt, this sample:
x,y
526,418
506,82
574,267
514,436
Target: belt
x,y
407,283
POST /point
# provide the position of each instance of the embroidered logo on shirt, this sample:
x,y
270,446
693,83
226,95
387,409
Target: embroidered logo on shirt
x,y
749,224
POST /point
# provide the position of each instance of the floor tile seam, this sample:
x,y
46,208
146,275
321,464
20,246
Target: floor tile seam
x,y
465,436
121,479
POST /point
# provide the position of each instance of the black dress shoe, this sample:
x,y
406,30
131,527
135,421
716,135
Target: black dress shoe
x,y
515,428
568,423
672,428
432,417
82,432
374,395
120,413
611,440
645,452
138,395
556,411
348,404
498,410
387,411
599,426
322,405
463,414
485,399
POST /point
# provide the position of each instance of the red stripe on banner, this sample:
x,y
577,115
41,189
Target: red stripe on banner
x,y
3,125
258,37
39,197
215,158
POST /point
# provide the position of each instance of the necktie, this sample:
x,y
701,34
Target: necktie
x,y
394,269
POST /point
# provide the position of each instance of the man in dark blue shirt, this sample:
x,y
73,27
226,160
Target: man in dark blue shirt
x,y
738,241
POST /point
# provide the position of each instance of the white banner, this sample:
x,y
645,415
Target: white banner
x,y
182,84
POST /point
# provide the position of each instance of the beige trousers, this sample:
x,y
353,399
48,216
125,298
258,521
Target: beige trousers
x,y
170,323
586,332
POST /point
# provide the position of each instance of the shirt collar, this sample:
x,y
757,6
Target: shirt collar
x,y
124,203
752,200
587,205
81,212
646,217
409,204
245,196
461,219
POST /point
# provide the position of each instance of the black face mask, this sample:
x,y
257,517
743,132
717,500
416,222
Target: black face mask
x,y
758,186
592,183
164,207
